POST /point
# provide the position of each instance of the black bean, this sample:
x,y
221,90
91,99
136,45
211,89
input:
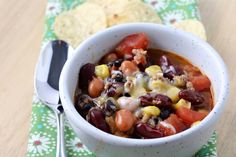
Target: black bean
x,y
156,120
83,104
172,71
111,92
108,79
118,62
127,94
85,109
169,70
119,78
164,61
110,64
87,106
81,100
110,107
165,113
115,89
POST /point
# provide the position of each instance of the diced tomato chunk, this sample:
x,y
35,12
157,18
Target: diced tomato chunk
x,y
130,42
201,82
176,122
166,128
171,125
190,116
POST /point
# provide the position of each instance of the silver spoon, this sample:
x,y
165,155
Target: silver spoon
x,y
51,61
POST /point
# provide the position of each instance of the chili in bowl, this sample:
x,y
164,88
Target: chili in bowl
x,y
144,89
144,93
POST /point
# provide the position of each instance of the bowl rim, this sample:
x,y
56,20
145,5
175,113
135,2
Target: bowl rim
x,y
84,126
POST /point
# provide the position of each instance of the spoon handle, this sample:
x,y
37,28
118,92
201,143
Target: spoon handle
x,y
60,150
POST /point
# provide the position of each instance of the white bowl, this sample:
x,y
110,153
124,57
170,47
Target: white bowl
x,y
182,144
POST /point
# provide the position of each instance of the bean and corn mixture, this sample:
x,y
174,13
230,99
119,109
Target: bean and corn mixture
x,y
144,93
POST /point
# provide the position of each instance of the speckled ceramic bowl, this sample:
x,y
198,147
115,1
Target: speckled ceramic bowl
x,y
182,144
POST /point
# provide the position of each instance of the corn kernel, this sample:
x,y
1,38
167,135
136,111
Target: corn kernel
x,y
102,71
179,81
151,110
145,118
138,91
195,123
153,70
173,93
182,103
157,84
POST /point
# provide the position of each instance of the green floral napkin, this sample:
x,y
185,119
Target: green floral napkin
x,y
42,136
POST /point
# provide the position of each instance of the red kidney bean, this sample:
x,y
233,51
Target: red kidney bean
x,y
97,118
85,75
146,100
158,100
145,131
194,97
162,100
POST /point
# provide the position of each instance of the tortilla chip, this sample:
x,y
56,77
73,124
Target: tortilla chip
x,y
193,26
112,7
78,24
124,11
134,11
